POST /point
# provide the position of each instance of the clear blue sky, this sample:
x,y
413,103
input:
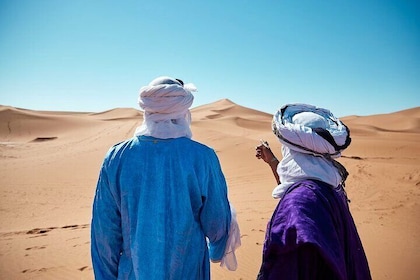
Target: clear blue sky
x,y
355,57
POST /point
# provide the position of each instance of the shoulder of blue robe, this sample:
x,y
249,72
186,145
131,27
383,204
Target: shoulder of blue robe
x,y
313,219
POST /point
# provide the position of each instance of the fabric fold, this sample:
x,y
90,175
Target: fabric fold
x,y
234,242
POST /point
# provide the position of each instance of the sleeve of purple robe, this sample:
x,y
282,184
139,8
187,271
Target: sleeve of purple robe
x,y
312,235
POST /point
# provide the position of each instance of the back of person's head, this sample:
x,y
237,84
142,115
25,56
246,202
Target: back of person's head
x,y
166,102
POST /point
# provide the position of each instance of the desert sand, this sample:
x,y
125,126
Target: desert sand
x,y
50,163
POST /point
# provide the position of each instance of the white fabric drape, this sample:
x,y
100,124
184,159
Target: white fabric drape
x,y
234,242
296,166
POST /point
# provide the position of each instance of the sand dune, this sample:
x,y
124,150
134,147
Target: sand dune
x,y
118,114
403,121
50,163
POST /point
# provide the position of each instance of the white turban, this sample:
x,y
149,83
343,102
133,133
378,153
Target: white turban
x,y
166,102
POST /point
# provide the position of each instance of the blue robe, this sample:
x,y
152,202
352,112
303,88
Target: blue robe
x,y
156,203
312,235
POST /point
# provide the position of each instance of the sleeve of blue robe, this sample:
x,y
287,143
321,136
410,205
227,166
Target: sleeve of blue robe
x,y
106,248
214,208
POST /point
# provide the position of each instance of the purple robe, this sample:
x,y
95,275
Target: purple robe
x,y
312,235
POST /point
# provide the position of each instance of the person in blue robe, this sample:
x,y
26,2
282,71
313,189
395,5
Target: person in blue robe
x,y
161,208
311,234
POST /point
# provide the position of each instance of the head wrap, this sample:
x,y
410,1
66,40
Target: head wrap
x,y
312,137
166,102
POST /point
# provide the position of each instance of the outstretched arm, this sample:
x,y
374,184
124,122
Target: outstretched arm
x,y
264,152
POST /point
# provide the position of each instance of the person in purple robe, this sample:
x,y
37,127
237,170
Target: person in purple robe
x,y
311,234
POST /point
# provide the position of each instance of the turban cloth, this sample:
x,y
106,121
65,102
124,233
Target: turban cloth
x,y
308,129
312,137
166,102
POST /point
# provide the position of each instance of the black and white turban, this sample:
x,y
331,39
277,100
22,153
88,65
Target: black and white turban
x,y
166,102
312,130
312,138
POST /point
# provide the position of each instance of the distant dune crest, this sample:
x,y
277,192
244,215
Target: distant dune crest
x,y
17,124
